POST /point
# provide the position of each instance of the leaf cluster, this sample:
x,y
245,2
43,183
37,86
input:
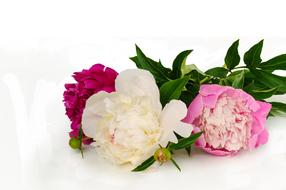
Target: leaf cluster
x,y
251,74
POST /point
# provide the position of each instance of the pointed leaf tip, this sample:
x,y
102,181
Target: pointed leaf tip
x,y
179,64
232,57
252,57
146,164
175,163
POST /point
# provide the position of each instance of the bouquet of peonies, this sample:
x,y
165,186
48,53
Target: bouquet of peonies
x,y
142,116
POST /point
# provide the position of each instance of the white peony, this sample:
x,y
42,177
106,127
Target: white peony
x,y
128,125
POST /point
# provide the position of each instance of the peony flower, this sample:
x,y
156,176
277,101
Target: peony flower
x,y
97,78
129,125
231,119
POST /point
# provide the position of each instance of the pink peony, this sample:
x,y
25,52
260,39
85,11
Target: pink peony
x,y
88,82
231,119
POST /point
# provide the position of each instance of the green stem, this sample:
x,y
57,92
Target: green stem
x,y
240,67
207,78
80,138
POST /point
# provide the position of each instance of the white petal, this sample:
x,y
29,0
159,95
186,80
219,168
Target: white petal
x,y
138,82
94,105
171,138
170,118
184,129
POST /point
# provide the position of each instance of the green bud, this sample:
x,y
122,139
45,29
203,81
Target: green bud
x,y
74,143
162,155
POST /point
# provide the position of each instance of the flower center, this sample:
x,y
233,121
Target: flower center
x,y
228,125
127,128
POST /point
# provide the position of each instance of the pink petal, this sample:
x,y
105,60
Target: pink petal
x,y
259,117
264,108
194,110
217,152
250,101
252,141
210,100
208,89
262,138
200,142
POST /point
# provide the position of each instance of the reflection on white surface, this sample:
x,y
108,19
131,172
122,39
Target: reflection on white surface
x,y
39,157
33,136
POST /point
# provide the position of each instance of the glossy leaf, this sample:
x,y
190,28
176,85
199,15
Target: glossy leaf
x,y
188,149
195,73
217,72
238,81
187,97
136,61
146,164
184,142
179,65
276,63
278,108
261,94
160,73
270,80
252,56
232,57
172,89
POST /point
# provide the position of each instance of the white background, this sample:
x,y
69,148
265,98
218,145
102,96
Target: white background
x,y
43,42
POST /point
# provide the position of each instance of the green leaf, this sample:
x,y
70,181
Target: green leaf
x,y
196,75
232,57
270,80
175,163
259,93
238,81
192,89
188,96
172,89
276,63
263,94
136,61
184,142
234,73
188,149
277,109
147,163
224,82
217,72
179,65
252,56
160,73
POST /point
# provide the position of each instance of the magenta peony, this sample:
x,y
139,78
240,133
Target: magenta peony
x,y
88,82
231,119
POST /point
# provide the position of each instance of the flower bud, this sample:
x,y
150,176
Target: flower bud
x,y
74,143
162,155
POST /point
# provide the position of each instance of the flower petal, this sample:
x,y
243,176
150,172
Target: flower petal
x,y
200,142
184,129
218,152
170,119
259,119
208,89
171,138
138,82
194,110
262,138
93,106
